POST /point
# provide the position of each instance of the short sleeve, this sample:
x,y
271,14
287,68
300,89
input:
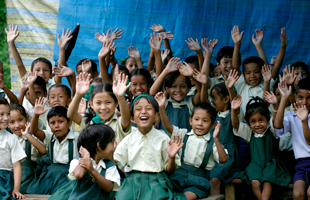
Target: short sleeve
x,y
47,139
190,104
179,132
244,131
73,164
113,175
286,125
17,151
240,83
120,154
165,155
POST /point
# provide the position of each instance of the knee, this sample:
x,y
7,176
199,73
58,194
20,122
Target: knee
x,y
255,183
299,195
215,182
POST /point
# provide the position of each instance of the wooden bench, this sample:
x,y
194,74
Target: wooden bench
x,y
214,197
36,197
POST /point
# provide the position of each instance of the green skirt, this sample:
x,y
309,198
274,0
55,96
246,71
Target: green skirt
x,y
144,185
6,184
28,174
63,193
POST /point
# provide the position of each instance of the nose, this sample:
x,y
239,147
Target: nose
x,y
303,101
138,86
229,64
5,117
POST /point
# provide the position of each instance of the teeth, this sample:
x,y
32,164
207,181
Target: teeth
x,y
143,118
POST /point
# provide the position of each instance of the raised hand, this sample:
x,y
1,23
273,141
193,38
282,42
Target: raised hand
x,y
266,73
86,66
116,34
288,75
185,69
63,71
164,55
155,41
236,35
174,146
26,131
166,35
231,79
12,33
134,53
83,83
193,45
273,60
116,73
301,111
217,130
208,46
121,87
24,83
284,90
82,106
200,77
83,152
270,97
64,39
172,64
85,161
106,48
39,106
157,28
161,99
32,76
283,36
259,37
2,85
236,102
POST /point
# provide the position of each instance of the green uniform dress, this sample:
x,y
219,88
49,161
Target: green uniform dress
x,y
264,164
230,169
54,175
193,179
6,185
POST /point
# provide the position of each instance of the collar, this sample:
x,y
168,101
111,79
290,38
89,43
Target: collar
x,y
70,135
176,104
223,114
114,117
150,135
257,135
207,136
220,78
99,166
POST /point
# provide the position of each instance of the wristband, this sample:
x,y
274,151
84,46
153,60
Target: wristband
x,y
274,110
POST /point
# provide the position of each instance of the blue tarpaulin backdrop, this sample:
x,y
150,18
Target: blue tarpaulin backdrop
x,y
197,19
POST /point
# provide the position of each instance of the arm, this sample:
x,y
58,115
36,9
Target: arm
x,y
272,99
113,61
302,112
8,92
166,36
237,38
31,79
38,110
281,54
17,169
172,149
203,86
161,99
105,51
155,43
22,93
151,61
62,42
235,105
267,77
222,154
208,50
258,45
134,53
194,46
64,71
229,83
39,146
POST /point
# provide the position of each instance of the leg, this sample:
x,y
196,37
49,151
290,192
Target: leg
x,y
267,190
190,195
256,189
299,190
215,186
308,193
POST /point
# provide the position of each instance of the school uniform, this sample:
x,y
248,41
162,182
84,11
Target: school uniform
x,y
147,156
10,152
264,150
198,156
54,173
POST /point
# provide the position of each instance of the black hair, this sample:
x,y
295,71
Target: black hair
x,y
303,66
149,99
143,72
41,83
64,87
59,111
124,62
3,101
93,64
44,60
222,91
226,52
303,84
19,108
192,59
171,77
97,80
253,59
208,108
256,105
121,68
92,134
212,67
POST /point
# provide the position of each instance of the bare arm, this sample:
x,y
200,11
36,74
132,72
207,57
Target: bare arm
x,y
104,52
39,146
155,43
257,41
174,145
281,54
17,169
285,92
38,110
161,99
235,105
302,113
222,154
237,38
151,61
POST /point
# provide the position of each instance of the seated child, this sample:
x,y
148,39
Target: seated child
x,y
11,154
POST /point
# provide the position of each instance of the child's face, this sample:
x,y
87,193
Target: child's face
x,y
131,64
258,123
193,66
108,152
303,97
138,85
252,74
79,69
59,126
58,97
38,91
179,89
300,73
42,69
144,114
104,105
217,72
225,65
278,95
4,116
201,122
17,122
218,102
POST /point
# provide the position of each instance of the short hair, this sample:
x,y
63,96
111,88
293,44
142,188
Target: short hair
x,y
64,87
59,111
303,84
303,66
19,108
93,64
97,80
121,68
222,91
226,52
171,77
192,59
92,134
41,83
256,105
3,101
253,59
143,72
44,60
149,99
208,108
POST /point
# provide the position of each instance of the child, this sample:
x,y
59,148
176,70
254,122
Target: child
x,y
95,175
301,71
264,169
200,152
103,100
149,153
88,66
34,149
62,145
11,154
298,125
141,82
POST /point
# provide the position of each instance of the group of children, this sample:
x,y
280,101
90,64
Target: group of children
x,y
176,130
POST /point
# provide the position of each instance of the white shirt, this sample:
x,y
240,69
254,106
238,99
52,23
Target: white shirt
x,y
111,173
10,150
60,151
144,153
175,104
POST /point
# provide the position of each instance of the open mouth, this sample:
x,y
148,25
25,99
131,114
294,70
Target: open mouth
x,y
144,119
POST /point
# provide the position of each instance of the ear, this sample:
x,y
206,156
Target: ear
x,y
69,123
217,64
91,104
27,118
226,99
190,121
98,146
213,125
69,101
116,104
167,89
95,74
